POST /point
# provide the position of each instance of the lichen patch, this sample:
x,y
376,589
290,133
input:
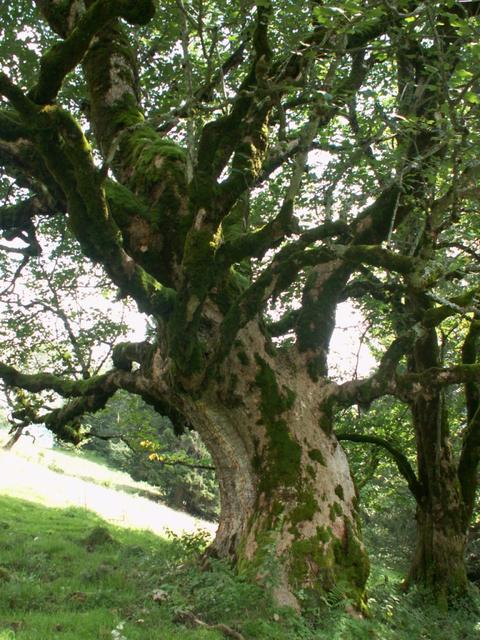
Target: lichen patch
x,y
119,85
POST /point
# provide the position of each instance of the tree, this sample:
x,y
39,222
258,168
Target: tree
x,y
180,159
54,317
444,484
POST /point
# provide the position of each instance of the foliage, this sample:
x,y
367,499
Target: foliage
x,y
227,163
386,505
60,315
133,437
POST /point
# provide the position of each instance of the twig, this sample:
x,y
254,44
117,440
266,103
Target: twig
x,y
186,617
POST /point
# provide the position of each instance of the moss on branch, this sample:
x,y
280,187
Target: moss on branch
x,y
438,377
19,101
68,157
64,56
48,381
376,256
434,316
243,133
284,325
277,277
258,242
18,217
126,353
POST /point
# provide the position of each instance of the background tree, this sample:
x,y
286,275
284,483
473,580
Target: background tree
x,y
58,313
131,436
179,157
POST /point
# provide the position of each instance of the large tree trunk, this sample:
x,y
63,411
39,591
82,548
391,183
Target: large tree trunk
x,y
438,563
286,491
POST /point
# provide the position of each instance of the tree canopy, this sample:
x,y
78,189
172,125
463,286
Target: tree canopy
x,y
238,170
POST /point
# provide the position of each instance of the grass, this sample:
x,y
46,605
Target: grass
x,y
80,482
55,586
55,583
68,574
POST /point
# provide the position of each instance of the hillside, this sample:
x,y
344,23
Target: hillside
x,y
86,555
56,479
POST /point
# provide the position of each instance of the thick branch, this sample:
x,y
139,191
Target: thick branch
x,y
436,378
126,353
50,382
69,159
380,383
461,304
17,218
257,243
325,283
65,56
284,325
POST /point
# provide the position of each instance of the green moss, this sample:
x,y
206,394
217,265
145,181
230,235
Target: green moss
x,y
305,510
277,508
198,260
352,560
228,289
124,204
325,419
324,534
339,491
243,358
284,454
323,562
310,470
317,455
313,553
335,511
151,159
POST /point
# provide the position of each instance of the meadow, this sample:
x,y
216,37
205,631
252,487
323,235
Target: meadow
x,y
67,573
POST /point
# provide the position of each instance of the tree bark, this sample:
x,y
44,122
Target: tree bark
x,y
14,438
288,503
438,562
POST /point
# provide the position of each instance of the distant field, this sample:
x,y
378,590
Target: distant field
x,y
58,479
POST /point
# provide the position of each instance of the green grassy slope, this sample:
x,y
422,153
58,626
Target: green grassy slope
x,y
59,581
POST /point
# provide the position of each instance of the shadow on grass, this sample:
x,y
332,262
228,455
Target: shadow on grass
x,y
65,574
54,583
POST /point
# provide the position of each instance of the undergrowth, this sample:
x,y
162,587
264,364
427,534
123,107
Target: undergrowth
x,y
67,575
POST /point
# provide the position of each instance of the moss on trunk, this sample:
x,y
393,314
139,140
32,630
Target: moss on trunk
x,y
293,520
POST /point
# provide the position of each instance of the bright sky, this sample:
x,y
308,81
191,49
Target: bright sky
x,y
348,356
